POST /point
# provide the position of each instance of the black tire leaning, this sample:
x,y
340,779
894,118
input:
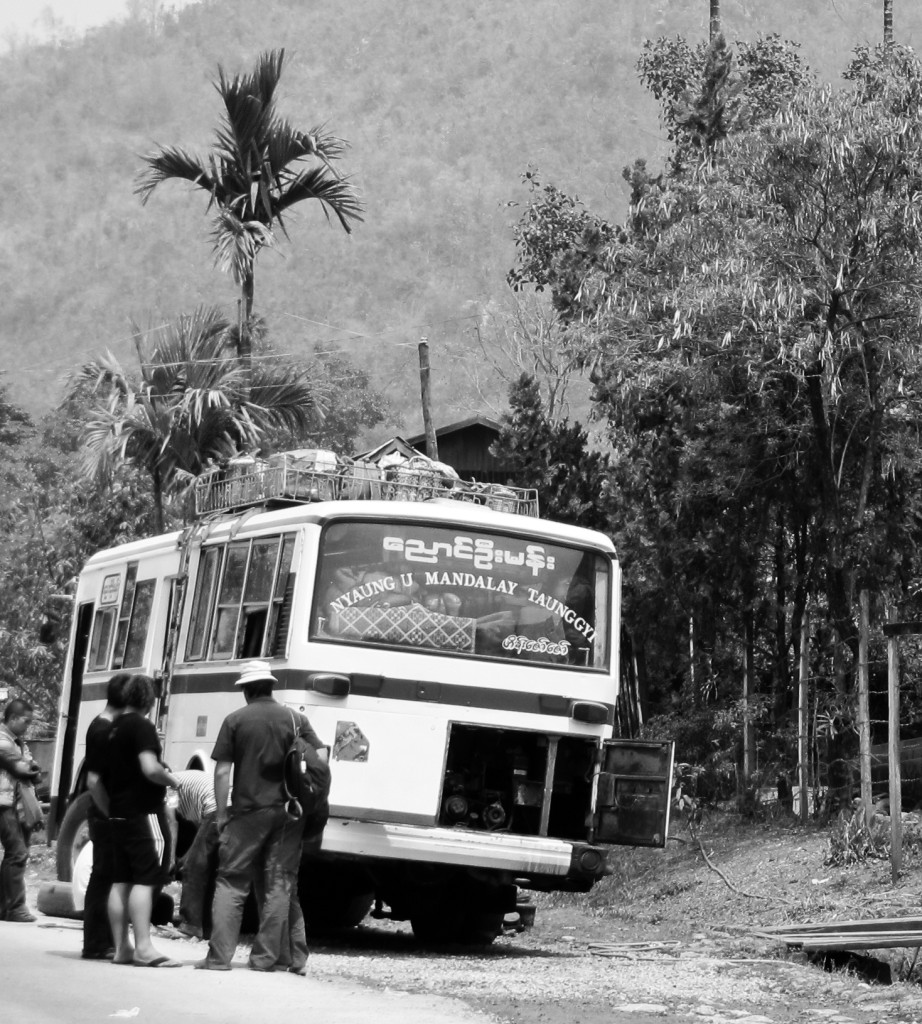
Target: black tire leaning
x,y
56,899
72,836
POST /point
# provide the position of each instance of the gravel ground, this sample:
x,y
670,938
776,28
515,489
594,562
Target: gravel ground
x,y
596,959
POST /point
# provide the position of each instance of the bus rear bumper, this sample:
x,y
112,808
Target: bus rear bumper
x,y
533,861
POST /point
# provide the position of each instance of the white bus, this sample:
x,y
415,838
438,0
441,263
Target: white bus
x,y
460,660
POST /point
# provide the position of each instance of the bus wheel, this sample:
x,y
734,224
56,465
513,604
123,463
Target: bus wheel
x,y
336,912
333,898
73,835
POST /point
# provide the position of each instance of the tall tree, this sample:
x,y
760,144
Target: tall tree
x,y
254,174
758,356
795,267
553,457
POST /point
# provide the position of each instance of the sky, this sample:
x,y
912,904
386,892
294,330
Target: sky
x,y
31,17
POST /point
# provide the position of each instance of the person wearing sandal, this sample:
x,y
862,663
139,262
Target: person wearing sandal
x,y
135,781
97,934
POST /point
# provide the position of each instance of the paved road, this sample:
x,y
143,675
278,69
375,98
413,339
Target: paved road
x,y
44,981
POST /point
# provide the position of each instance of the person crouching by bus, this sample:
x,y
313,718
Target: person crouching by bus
x,y
258,834
97,934
16,769
136,780
196,805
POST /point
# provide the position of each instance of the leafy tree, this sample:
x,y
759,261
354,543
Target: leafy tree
x,y
525,335
51,521
755,350
255,174
558,242
553,457
191,404
351,406
709,91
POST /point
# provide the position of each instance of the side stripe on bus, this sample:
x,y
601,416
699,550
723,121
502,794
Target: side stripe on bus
x,y
387,688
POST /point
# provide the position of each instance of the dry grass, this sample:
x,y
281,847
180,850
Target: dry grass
x,y
754,874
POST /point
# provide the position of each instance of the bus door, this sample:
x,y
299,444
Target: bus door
x,y
166,627
59,793
633,793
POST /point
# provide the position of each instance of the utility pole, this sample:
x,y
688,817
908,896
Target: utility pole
x,y
432,444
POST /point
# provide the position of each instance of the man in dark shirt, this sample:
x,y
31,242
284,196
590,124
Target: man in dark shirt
x,y
135,781
97,934
258,834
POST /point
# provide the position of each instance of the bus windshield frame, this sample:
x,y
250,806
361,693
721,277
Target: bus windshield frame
x,y
477,593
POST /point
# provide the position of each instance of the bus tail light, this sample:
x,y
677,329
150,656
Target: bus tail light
x,y
589,711
331,684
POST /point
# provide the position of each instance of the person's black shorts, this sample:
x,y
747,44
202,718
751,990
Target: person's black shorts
x,y
137,850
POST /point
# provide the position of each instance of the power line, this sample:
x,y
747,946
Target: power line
x,y
35,368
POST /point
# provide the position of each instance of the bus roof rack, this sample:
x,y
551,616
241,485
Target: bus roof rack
x,y
293,478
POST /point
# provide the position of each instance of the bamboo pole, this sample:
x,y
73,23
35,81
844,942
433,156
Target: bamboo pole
x,y
864,716
893,752
432,444
802,711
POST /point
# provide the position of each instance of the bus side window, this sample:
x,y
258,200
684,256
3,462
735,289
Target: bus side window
x,y
101,641
238,610
202,603
136,640
257,597
276,637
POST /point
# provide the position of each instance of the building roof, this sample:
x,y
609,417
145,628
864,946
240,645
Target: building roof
x,y
453,428
394,444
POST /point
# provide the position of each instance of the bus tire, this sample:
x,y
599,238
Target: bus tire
x,y
338,914
333,898
72,836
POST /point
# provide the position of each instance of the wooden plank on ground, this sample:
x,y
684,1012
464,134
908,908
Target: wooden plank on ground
x,y
867,925
876,940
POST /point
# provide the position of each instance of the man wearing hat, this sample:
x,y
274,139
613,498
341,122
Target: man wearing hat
x,y
259,840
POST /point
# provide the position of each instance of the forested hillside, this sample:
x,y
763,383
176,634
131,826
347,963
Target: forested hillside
x,y
445,106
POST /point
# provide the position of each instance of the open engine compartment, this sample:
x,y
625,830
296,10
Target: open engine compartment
x,y
517,781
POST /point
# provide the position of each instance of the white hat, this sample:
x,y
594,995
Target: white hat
x,y
255,672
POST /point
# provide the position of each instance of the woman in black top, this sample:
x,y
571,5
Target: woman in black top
x,y
135,780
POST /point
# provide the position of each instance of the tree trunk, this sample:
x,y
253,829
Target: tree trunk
x,y
748,692
158,500
888,22
864,716
244,338
715,20
838,577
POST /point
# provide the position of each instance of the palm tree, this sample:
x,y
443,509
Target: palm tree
x,y
254,174
193,404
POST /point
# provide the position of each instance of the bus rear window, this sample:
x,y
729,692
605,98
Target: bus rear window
x,y
471,593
